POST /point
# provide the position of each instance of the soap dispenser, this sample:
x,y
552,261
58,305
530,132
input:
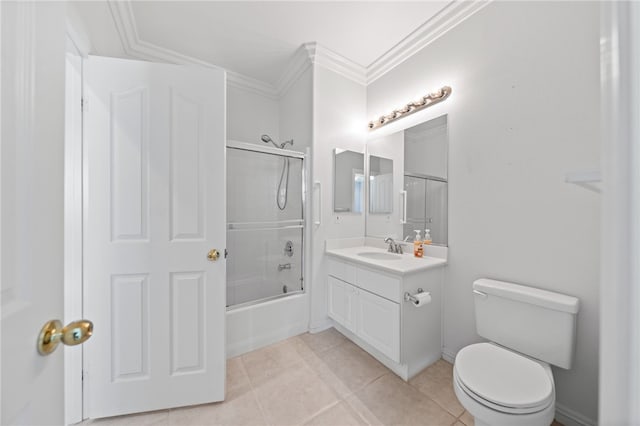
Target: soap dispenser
x,y
417,244
427,236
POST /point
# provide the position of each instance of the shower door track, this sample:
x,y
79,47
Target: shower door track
x,y
266,226
265,149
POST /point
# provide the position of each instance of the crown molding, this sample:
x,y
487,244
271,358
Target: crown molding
x,y
249,84
298,64
137,48
309,53
448,18
337,63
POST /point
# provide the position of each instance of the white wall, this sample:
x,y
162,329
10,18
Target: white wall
x,y
523,112
339,121
250,115
295,112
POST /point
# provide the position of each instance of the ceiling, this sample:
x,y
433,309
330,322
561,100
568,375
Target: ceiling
x,y
258,39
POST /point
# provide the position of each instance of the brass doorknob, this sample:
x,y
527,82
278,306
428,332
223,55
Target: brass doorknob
x,y
213,255
52,333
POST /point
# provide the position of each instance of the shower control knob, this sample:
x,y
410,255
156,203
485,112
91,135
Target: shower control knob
x,y
213,255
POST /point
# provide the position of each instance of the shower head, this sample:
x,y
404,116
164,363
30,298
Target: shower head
x,y
267,139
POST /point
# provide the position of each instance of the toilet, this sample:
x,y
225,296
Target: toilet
x,y
508,380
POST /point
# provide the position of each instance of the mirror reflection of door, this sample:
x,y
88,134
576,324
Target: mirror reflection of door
x,y
348,181
380,185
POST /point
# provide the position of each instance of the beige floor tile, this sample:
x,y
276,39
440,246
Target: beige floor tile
x,y
328,376
436,381
364,412
340,414
294,396
243,410
267,363
467,419
392,401
237,379
556,423
349,368
458,423
324,340
144,419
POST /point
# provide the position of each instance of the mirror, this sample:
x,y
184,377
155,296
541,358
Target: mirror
x,y
421,153
348,181
380,185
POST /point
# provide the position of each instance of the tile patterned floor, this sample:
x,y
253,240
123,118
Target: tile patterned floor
x,y
318,379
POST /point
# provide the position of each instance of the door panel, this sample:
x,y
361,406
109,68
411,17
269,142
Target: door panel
x,y
32,199
155,170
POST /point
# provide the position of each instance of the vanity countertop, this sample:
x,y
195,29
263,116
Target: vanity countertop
x,y
400,264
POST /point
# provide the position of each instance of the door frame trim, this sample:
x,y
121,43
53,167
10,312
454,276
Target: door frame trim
x,y
73,235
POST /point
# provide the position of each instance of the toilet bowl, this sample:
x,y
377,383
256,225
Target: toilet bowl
x,y
508,380
501,387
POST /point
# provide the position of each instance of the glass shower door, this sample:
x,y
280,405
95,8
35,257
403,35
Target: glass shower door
x,y
426,207
265,241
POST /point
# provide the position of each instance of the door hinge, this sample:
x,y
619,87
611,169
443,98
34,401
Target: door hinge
x,y
84,104
226,253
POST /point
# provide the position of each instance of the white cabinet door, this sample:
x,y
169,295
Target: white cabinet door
x,y
342,303
155,191
378,322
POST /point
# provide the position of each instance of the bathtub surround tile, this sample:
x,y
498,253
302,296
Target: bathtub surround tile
x,y
294,396
243,410
436,381
339,414
392,401
320,342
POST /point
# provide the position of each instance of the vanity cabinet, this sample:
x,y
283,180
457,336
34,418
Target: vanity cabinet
x,y
373,318
368,307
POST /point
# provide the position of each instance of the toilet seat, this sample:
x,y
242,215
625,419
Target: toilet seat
x,y
503,380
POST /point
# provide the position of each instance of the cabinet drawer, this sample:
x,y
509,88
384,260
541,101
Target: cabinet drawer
x,y
375,282
342,270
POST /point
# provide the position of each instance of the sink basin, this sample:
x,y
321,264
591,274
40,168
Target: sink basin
x,y
376,255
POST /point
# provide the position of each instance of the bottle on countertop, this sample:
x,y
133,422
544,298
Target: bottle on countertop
x,y
418,250
427,236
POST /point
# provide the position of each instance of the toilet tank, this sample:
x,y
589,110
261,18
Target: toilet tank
x,y
535,322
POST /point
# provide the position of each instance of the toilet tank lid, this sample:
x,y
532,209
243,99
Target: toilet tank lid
x,y
535,296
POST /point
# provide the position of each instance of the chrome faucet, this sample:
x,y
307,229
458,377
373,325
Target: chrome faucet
x,y
393,246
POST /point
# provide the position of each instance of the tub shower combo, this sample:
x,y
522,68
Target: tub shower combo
x,y
265,242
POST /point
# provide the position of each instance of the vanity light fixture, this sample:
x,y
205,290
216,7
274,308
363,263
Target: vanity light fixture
x,y
424,102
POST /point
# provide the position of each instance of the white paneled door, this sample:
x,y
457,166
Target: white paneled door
x,y
154,210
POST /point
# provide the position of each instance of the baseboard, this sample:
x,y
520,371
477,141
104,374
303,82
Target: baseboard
x,y
569,417
321,326
448,355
